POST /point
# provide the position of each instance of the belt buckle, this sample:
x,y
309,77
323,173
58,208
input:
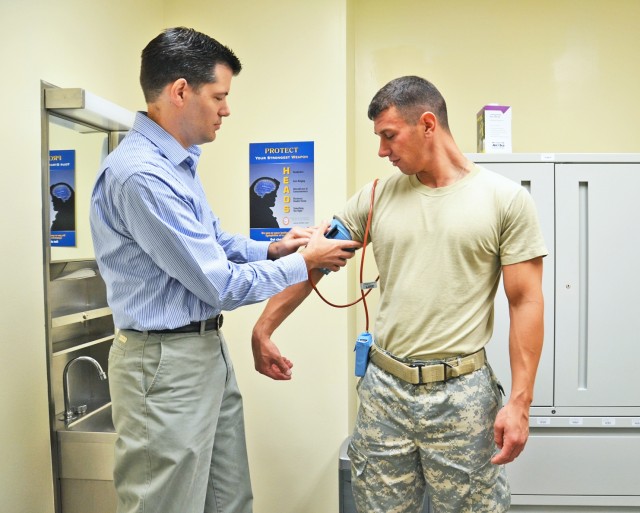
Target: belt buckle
x,y
421,365
218,324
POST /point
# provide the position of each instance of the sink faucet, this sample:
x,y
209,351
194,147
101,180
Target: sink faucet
x,y
69,414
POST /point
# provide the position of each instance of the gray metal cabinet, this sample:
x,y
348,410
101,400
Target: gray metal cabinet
x,y
598,286
584,440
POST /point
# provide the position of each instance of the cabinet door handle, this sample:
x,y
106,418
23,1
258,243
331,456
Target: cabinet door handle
x,y
583,284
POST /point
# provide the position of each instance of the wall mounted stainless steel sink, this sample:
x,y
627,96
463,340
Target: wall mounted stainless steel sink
x,y
98,421
86,448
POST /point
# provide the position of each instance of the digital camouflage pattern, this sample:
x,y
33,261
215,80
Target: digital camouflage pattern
x,y
437,438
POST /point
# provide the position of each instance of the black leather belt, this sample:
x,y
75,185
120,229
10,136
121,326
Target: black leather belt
x,y
215,323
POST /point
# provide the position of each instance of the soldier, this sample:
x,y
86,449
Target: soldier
x,y
444,229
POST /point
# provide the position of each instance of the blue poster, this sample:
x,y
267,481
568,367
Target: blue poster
x,y
280,188
62,201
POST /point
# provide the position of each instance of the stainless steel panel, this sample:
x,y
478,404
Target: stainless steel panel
x,y
86,459
64,98
71,296
84,107
87,496
87,456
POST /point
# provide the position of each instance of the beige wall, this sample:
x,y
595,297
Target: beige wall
x,y
568,68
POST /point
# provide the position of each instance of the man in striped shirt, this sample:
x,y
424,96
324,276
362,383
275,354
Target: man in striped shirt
x,y
170,271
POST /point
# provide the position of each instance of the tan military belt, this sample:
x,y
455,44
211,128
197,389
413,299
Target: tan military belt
x,y
432,371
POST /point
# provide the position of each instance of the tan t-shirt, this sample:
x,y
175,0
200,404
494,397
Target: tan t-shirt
x,y
439,253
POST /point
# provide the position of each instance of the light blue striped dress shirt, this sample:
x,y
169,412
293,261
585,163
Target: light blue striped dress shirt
x,y
159,247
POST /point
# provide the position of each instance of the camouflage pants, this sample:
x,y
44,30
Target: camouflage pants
x,y
436,437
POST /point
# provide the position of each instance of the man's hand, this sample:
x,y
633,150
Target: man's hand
x,y
267,358
328,253
290,243
511,431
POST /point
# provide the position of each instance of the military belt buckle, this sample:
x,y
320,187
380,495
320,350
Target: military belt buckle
x,y
422,365
419,366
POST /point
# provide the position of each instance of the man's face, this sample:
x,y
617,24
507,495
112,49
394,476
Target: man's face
x,y
400,142
207,106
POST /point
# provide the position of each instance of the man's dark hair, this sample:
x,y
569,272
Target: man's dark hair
x,y
182,53
412,96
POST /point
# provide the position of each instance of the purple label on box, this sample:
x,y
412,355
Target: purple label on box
x,y
501,108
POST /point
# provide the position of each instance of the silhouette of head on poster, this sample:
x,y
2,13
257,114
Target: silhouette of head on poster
x,y
262,197
63,202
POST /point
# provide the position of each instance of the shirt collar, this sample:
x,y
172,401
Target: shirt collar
x,y
166,143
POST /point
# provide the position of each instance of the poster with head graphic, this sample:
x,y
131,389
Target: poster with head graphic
x,y
280,188
62,201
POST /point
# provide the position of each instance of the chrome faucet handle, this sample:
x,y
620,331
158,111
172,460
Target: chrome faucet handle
x,y
71,413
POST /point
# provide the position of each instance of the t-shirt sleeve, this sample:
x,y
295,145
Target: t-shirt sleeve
x,y
356,210
521,237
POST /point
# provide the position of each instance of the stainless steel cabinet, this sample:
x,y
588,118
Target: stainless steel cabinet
x,y
79,321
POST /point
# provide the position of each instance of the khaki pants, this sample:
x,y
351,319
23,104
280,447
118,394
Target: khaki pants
x,y
437,438
178,413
